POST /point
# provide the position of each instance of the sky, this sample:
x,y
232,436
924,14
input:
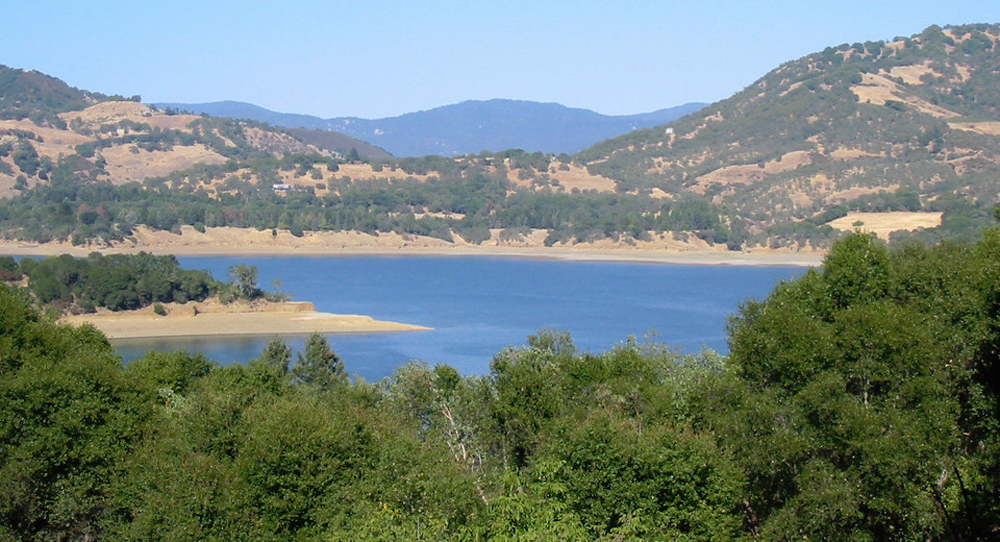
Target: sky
x,y
375,58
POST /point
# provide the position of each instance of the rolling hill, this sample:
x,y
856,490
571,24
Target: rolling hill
x,y
908,125
908,130
465,128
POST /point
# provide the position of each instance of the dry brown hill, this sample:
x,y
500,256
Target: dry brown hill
x,y
130,141
909,125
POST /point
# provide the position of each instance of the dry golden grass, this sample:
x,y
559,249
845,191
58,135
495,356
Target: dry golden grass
x,y
579,178
366,172
113,112
788,162
750,173
567,176
108,112
877,90
130,163
849,154
911,74
54,142
882,224
730,175
985,128
848,194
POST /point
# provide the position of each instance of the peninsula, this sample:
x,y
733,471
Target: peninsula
x,y
211,318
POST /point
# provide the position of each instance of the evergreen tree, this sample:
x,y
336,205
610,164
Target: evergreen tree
x,y
277,354
319,366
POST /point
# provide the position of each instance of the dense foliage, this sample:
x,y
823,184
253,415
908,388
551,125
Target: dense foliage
x,y
116,282
467,199
38,97
863,399
125,282
858,402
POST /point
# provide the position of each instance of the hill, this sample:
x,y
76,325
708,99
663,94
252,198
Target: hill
x,y
30,94
908,125
305,127
336,141
465,128
908,129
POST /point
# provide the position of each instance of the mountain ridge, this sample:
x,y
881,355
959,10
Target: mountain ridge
x,y
908,126
467,127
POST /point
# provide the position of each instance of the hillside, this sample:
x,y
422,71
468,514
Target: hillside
x,y
909,125
907,129
465,128
336,141
123,141
30,94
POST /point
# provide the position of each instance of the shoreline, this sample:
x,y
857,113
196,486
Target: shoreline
x,y
249,242
210,319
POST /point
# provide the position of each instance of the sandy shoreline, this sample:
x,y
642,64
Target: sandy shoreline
x,y
212,319
248,242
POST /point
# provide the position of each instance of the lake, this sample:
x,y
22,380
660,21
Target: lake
x,y
479,305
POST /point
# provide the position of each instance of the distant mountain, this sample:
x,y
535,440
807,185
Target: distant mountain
x,y
243,110
465,128
303,127
908,130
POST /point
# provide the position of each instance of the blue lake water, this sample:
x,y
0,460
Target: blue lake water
x,y
480,305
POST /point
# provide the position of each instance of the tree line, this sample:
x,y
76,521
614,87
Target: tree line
x,y
117,282
858,402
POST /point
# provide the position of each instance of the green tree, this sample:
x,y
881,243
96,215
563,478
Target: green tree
x,y
857,407
69,418
319,366
244,278
277,354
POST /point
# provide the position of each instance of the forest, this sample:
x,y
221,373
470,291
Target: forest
x,y
117,282
858,402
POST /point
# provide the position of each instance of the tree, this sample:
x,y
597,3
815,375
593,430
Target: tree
x,y
277,354
319,366
244,277
68,419
859,410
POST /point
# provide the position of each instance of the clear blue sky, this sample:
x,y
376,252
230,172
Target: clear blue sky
x,y
375,58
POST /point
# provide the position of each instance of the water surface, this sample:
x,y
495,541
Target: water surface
x,y
479,305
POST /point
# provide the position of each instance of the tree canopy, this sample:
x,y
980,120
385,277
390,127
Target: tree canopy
x,y
858,402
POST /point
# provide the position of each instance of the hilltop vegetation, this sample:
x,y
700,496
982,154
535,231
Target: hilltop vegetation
x,y
39,97
910,125
859,402
905,125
